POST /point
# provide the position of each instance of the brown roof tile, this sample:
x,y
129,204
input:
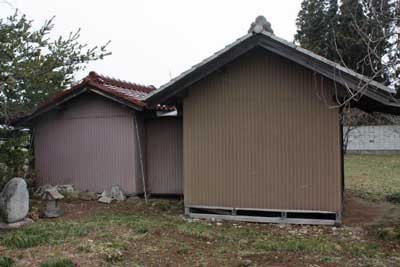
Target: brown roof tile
x,y
129,92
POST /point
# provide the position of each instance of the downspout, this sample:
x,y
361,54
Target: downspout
x,y
141,158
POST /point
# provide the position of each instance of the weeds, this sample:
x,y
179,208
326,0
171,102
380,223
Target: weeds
x,y
57,262
111,252
296,245
394,198
6,261
184,249
388,234
44,233
198,230
153,238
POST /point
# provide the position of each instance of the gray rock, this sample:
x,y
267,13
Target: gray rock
x,y
105,199
106,194
66,188
14,200
117,194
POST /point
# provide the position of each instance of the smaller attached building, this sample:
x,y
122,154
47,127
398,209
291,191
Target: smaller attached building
x,y
100,133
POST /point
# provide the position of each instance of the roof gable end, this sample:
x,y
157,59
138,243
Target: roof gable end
x,y
126,93
380,97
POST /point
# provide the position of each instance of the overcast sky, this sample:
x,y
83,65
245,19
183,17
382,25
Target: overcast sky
x,y
152,41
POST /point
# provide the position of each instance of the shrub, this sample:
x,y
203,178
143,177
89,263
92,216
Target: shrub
x,y
57,262
14,155
388,234
394,198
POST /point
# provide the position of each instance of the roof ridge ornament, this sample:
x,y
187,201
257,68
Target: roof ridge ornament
x,y
261,24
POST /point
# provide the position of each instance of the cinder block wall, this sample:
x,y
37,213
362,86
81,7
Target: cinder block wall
x,y
374,140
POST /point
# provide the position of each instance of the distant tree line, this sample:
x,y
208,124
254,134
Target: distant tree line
x,y
362,35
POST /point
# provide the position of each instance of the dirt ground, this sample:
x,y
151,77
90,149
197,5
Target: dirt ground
x,y
133,233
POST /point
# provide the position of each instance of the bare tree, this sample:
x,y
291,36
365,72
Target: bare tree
x,y
386,30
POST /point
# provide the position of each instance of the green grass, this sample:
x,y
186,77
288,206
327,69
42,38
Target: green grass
x,y
311,245
45,233
112,235
58,262
373,177
60,232
129,235
6,261
197,230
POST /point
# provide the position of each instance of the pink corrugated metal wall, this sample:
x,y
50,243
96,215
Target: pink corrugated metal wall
x,y
164,155
90,143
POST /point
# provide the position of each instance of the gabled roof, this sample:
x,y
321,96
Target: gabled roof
x,y
376,97
126,93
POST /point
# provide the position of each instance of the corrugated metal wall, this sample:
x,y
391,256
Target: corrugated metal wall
x,y
164,155
91,144
257,134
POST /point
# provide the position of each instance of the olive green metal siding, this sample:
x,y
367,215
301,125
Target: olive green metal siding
x,y
259,134
164,155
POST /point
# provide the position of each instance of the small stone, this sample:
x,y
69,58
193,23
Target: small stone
x,y
246,263
338,247
106,193
14,200
105,199
66,188
117,194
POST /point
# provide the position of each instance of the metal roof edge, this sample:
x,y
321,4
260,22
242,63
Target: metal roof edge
x,y
201,63
329,62
374,87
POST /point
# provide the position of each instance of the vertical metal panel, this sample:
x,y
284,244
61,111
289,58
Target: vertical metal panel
x,y
258,134
164,155
89,143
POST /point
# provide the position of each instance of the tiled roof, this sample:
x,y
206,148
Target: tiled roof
x,y
129,93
